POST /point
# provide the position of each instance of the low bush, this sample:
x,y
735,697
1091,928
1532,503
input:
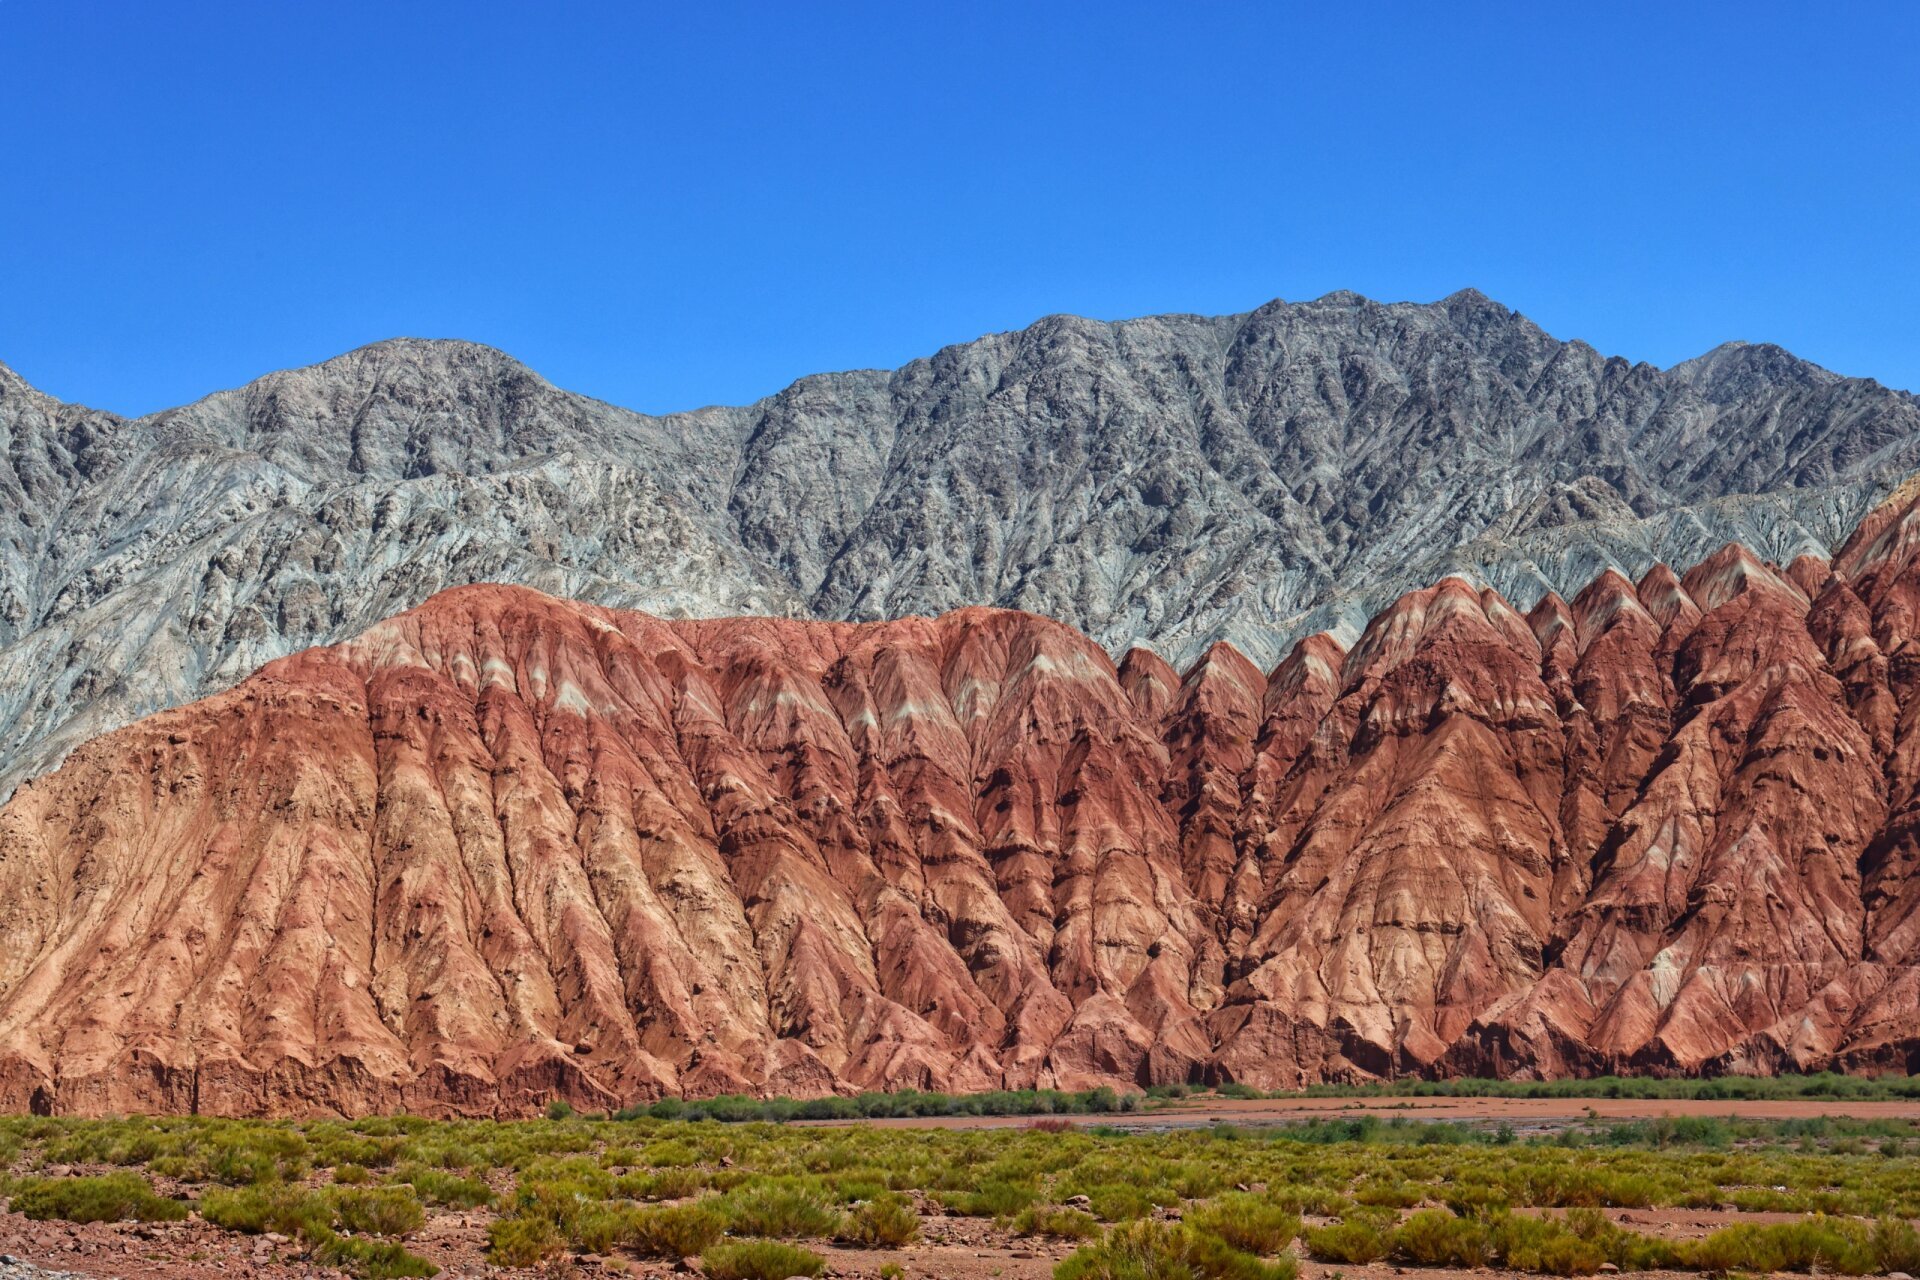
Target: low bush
x,y
1064,1224
682,1230
289,1210
996,1199
1543,1245
1627,1250
1120,1202
666,1184
887,1221
1355,1241
521,1241
604,1227
668,1153
1248,1222
377,1211
1436,1238
1826,1245
437,1186
759,1260
1896,1245
779,1209
371,1259
1160,1251
1389,1193
114,1197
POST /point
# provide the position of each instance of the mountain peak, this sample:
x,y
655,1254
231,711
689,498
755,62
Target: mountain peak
x,y
1251,478
1735,369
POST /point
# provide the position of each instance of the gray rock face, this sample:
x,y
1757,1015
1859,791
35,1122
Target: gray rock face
x,y
1166,481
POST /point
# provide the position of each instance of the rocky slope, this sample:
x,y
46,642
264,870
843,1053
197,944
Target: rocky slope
x,y
1167,481
505,847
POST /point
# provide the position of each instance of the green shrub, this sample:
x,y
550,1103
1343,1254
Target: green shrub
x,y
377,1211
1247,1222
1157,1251
780,1209
437,1186
1119,1202
1628,1250
1355,1241
1543,1245
371,1259
1389,1193
666,1184
1436,1238
520,1241
114,1197
1064,1224
995,1199
668,1153
885,1222
759,1260
351,1175
682,1230
371,1153
1896,1245
1816,1243
603,1227
289,1210
1467,1198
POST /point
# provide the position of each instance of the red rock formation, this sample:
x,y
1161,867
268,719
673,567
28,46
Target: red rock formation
x,y
505,847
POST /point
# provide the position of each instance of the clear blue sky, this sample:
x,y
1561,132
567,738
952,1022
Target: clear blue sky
x,y
668,205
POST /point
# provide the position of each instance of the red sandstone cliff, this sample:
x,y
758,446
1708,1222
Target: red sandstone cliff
x,y
506,847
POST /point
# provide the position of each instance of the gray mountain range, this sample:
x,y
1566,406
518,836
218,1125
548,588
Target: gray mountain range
x,y
1167,481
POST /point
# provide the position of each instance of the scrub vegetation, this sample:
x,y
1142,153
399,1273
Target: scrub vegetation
x,y
757,1199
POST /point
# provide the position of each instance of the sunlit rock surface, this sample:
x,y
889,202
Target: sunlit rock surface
x,y
507,847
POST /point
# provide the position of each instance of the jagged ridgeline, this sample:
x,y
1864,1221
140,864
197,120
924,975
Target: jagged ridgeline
x,y
507,847
1168,481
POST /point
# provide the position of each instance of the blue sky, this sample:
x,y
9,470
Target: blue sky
x,y
672,205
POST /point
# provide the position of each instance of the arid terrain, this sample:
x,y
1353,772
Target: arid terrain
x,y
1630,1186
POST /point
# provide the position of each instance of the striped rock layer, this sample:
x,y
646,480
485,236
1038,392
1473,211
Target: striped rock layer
x,y
506,847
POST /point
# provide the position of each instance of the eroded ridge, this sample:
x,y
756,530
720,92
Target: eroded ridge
x,y
506,847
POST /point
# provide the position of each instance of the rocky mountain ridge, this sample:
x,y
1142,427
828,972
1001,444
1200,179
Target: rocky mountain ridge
x,y
506,847
1167,482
